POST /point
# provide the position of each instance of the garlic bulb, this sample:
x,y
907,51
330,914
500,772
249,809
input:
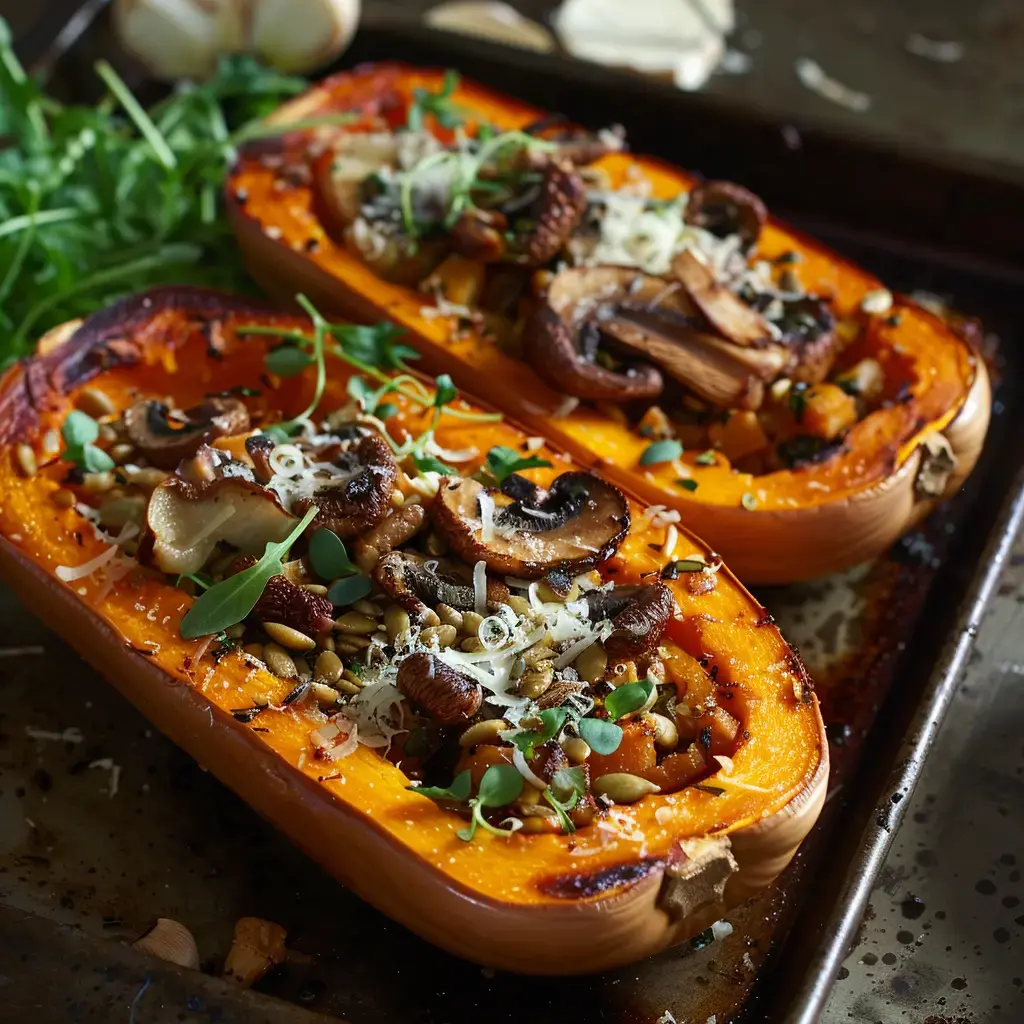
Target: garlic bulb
x,y
184,38
490,19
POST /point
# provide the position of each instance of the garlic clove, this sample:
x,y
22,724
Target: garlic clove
x,y
296,37
171,941
493,20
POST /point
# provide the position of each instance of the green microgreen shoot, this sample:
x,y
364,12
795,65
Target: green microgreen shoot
x,y
501,462
552,720
629,697
568,786
687,484
439,104
458,791
500,785
230,601
602,736
79,432
201,580
707,458
660,451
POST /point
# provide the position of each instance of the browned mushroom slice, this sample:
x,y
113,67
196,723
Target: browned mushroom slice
x,y
362,500
419,589
165,437
724,208
726,313
809,332
639,615
188,520
575,524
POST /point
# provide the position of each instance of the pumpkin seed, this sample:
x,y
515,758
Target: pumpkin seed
x,y
235,632
279,661
254,651
63,498
121,453
534,683
288,637
623,788
326,696
302,670
367,608
98,483
471,623
396,621
592,663
445,636
355,680
519,605
576,749
449,616
534,824
355,623
472,645
666,735
329,667
315,588
26,459
325,641
95,403
483,732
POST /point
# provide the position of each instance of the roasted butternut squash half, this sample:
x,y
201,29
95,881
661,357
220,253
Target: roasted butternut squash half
x,y
706,357
542,726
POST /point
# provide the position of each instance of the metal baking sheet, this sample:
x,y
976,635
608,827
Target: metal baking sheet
x,y
885,643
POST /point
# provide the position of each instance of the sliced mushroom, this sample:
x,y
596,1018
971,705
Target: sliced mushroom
x,y
577,145
419,589
724,208
639,616
575,524
809,332
188,520
259,448
165,438
725,312
363,499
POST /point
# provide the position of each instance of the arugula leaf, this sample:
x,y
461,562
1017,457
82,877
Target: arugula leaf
x,y
328,556
502,462
349,590
660,451
603,737
628,697
230,601
459,790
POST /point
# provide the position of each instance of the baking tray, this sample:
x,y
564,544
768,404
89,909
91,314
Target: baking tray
x,y
82,867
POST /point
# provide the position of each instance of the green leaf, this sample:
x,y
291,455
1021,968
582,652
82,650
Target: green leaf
x,y
95,460
660,451
602,737
428,464
288,360
230,601
707,458
79,429
674,568
385,410
502,462
201,580
500,785
373,345
446,391
361,390
569,784
328,556
628,697
687,484
553,719
437,103
458,791
349,590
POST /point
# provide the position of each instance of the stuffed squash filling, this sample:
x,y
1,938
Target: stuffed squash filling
x,y
657,310
443,607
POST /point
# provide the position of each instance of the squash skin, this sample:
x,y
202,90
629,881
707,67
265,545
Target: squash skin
x,y
807,522
526,904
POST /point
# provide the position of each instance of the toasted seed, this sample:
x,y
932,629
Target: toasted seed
x,y
315,588
472,645
535,810
623,788
353,678
279,661
326,696
471,623
122,452
483,732
235,632
536,823
254,651
429,618
545,593
576,749
449,616
533,684
367,608
98,483
287,637
63,498
329,667
529,797
397,498
95,403
592,663
302,669
519,605
666,735
396,620
347,686
108,433
325,641
445,635
147,478
436,545
26,459
351,644
538,654
355,623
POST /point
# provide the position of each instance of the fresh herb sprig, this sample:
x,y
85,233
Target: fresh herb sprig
x,y
501,462
330,561
99,201
230,601
80,432
439,104
499,786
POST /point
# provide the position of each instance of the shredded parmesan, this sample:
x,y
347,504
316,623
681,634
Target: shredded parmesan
x,y
71,573
480,588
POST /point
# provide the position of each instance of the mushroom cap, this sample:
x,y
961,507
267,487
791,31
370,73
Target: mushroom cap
x,y
165,442
576,524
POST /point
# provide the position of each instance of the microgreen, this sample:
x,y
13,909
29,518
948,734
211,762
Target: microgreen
x,y
661,451
328,556
201,580
552,720
602,736
428,464
288,360
439,104
687,484
458,791
628,697
349,589
79,431
706,458
674,568
446,391
230,601
798,400
499,786
568,785
502,462
97,201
